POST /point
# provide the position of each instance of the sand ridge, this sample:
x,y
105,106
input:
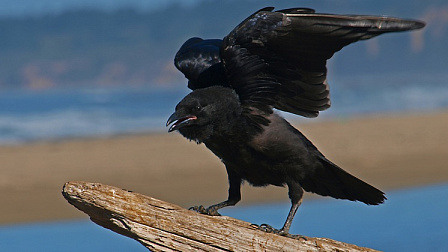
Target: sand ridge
x,y
387,151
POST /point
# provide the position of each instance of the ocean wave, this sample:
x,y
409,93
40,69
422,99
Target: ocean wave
x,y
388,94
28,117
56,114
16,129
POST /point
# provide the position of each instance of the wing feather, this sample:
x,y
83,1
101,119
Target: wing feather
x,y
294,45
278,58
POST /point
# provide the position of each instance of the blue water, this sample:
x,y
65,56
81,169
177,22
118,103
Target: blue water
x,y
67,236
85,112
67,113
43,7
410,220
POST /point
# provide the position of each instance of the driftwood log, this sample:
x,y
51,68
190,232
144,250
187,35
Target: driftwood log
x,y
162,226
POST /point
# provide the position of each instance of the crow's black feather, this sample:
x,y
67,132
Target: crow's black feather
x,y
272,60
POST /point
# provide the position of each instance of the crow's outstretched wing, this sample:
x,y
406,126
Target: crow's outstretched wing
x,y
278,59
200,61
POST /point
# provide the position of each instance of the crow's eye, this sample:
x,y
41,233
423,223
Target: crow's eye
x,y
197,108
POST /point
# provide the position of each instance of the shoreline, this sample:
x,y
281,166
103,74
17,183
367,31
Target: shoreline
x,y
388,151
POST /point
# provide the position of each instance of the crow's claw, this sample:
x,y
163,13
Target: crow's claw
x,y
269,229
212,211
199,209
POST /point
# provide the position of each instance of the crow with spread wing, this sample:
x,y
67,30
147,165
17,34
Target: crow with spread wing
x,y
273,59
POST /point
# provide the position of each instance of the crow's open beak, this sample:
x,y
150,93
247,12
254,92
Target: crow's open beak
x,y
179,121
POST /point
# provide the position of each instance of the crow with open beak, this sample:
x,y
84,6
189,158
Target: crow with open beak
x,y
272,60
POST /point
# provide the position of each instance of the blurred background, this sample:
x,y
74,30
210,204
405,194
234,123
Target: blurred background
x,y
96,66
84,82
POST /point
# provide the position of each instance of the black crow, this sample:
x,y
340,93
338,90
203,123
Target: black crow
x,y
272,60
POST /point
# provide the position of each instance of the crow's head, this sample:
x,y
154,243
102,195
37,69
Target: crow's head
x,y
205,112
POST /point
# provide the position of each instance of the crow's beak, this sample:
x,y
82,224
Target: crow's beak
x,y
179,121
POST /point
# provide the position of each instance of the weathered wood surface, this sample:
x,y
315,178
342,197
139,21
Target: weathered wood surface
x,y
162,226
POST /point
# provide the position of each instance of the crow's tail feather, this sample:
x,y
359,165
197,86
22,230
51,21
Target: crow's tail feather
x,y
331,180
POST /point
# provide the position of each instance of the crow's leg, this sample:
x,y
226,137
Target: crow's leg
x,y
295,194
234,197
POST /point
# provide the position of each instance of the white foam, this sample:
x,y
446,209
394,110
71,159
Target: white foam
x,y
71,123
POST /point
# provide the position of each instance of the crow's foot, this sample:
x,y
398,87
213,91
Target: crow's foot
x,y
269,229
212,211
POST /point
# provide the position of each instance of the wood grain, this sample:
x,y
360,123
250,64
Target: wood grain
x,y
162,226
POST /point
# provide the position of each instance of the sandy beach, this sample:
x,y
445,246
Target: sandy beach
x,y
387,151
